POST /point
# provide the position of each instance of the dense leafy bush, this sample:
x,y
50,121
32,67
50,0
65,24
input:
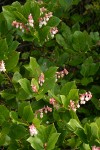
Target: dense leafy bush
x,y
49,76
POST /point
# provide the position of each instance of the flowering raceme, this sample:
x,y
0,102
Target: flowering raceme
x,y
42,21
45,110
20,25
30,20
61,74
34,88
33,130
2,66
53,102
73,106
41,79
85,97
53,31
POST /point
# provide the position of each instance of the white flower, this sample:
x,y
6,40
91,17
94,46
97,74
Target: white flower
x,y
33,130
2,66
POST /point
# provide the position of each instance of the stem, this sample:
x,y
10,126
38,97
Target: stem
x,y
8,77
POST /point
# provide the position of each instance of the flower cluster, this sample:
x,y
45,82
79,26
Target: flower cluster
x,y
73,106
42,10
30,21
53,31
34,88
45,19
45,110
61,74
20,25
41,79
53,102
42,21
85,97
33,130
2,66
95,148
82,100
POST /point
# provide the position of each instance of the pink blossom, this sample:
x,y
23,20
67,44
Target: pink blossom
x,y
33,130
34,88
52,101
30,20
72,105
42,10
88,96
61,74
45,19
85,97
20,25
95,148
41,79
53,31
65,71
45,110
2,66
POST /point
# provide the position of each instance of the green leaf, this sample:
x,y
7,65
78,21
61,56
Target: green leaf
x,y
17,131
81,41
3,25
36,143
13,45
28,113
26,8
64,100
43,33
16,77
8,94
73,125
73,94
52,141
89,68
60,40
4,114
35,10
22,95
12,60
48,84
82,135
86,81
65,3
85,147
3,49
21,108
98,122
26,86
34,68
4,140
8,14
19,17
51,72
46,136
54,21
94,130
14,116
67,87
95,36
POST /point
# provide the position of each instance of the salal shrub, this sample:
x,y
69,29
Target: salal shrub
x,y
49,76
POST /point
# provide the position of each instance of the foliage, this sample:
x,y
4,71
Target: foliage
x,y
49,68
